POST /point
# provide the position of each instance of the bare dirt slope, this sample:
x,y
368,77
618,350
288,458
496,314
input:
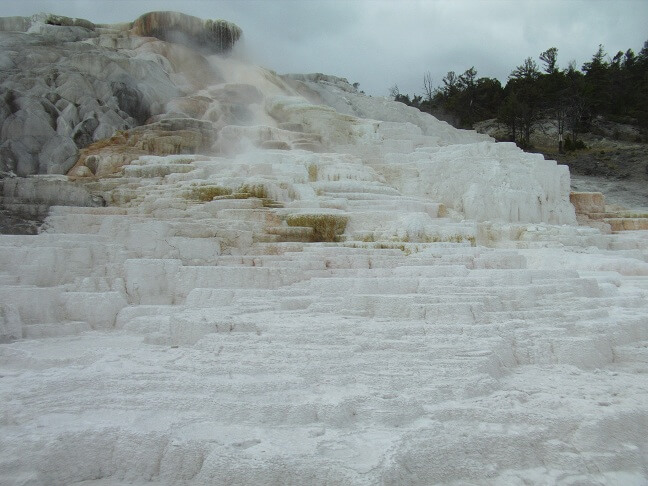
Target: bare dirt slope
x,y
618,169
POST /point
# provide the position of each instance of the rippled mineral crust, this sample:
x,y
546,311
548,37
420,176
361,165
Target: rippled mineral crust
x,y
247,278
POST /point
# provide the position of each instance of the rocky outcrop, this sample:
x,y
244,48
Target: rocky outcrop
x,y
591,210
212,36
62,97
25,201
65,84
169,136
55,27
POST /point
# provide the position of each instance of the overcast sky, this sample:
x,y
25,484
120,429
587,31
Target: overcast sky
x,y
379,43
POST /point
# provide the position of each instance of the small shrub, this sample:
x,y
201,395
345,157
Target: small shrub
x,y
326,227
571,145
524,145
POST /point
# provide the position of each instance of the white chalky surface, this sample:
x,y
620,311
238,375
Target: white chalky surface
x,y
170,340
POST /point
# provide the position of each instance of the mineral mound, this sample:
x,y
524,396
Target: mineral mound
x,y
213,36
239,277
66,83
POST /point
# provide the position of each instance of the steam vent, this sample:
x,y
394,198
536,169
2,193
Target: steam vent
x,y
214,274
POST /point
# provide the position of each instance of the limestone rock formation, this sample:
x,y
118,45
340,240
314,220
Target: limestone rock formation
x,y
249,278
65,83
591,210
25,202
213,36
55,28
165,137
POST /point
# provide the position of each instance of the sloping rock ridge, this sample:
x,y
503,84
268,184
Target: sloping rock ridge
x,y
246,278
66,83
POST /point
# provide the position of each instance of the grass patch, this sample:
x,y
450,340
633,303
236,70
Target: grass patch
x,y
208,193
460,239
312,173
326,227
245,191
253,190
439,239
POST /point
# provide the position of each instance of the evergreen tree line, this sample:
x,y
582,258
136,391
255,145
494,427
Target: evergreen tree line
x,y
613,87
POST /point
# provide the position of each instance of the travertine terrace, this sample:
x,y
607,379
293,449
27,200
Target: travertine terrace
x,y
279,280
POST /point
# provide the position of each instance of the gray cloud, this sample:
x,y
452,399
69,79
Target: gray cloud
x,y
379,43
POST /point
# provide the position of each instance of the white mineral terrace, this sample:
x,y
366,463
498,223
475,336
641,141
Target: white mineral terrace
x,y
459,329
